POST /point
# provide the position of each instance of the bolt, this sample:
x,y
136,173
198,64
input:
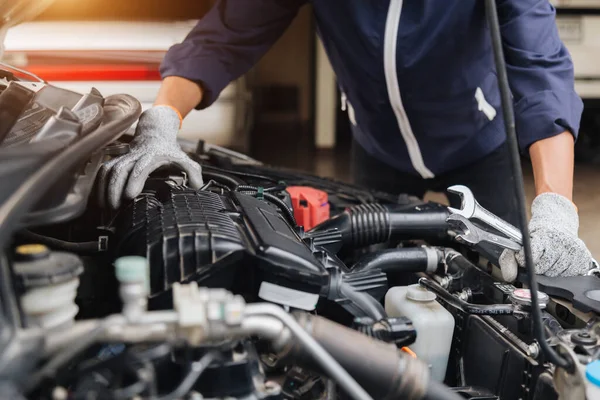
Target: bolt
x,y
445,282
585,335
533,350
465,295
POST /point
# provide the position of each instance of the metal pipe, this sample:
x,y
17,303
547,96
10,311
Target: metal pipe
x,y
268,327
383,370
58,339
326,361
155,324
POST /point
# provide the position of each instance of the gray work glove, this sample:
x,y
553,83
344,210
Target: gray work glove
x,y
154,145
555,244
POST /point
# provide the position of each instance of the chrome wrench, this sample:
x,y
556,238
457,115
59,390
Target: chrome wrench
x,y
472,235
470,209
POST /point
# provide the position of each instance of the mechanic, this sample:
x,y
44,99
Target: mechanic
x,y
419,82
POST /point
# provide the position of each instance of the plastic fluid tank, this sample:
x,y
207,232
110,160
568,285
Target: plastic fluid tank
x,y
433,323
49,281
592,387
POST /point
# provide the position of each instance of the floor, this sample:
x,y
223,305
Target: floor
x,y
294,150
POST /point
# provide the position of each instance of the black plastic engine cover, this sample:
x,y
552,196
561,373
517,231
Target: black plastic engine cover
x,y
232,240
582,291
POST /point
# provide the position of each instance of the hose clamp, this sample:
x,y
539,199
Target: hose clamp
x,y
414,379
433,261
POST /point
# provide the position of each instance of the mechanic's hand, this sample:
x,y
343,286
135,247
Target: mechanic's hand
x,y
155,145
555,245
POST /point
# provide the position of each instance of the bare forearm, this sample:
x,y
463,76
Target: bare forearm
x,y
553,163
180,93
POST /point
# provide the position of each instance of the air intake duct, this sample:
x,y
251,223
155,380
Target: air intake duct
x,y
367,224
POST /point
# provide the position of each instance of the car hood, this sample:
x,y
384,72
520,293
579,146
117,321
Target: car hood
x,y
13,12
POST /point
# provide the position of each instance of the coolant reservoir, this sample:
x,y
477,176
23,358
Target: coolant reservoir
x,y
433,323
592,373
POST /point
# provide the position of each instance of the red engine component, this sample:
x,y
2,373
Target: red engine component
x,y
311,206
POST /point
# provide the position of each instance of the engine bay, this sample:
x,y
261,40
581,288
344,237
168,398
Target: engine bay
x,y
265,283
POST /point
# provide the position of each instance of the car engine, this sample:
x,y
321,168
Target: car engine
x,y
265,283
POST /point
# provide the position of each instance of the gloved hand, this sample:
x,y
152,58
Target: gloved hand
x,y
555,244
155,145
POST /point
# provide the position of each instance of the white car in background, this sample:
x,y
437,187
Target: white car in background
x,y
124,57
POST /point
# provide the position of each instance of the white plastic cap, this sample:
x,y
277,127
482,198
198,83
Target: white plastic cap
x,y
419,293
131,269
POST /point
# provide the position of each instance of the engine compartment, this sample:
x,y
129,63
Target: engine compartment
x,y
221,293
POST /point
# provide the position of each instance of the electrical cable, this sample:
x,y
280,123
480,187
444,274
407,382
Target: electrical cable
x,y
58,244
230,181
196,369
214,183
242,174
289,214
331,186
509,121
147,358
276,188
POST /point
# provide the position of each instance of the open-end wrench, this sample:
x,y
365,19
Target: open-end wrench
x,y
472,235
470,209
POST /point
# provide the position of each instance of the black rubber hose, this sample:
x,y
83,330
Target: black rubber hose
x,y
57,244
386,373
515,160
367,224
469,308
123,110
458,263
367,303
437,391
408,259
